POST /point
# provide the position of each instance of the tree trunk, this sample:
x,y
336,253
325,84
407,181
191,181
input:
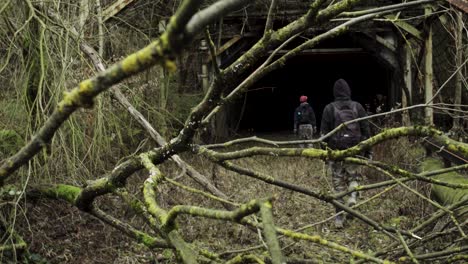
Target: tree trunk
x,y
406,100
428,74
84,14
458,63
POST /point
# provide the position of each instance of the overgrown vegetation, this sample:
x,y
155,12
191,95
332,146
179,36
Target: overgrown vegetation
x,y
96,180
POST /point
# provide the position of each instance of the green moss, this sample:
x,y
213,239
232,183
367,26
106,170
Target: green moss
x,y
145,239
445,195
313,152
86,87
69,99
168,253
170,66
130,63
101,183
66,192
164,42
397,221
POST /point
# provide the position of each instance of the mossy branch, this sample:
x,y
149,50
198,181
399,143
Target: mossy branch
x,y
13,247
319,153
438,254
407,249
71,193
243,258
270,233
320,241
167,219
234,216
155,178
172,235
407,176
138,206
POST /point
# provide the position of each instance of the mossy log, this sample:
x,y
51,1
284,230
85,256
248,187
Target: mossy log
x,y
450,150
447,195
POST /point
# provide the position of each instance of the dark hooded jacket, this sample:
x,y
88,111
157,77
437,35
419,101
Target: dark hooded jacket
x,y
342,94
310,118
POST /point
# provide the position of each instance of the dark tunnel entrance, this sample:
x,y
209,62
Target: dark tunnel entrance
x,y
269,105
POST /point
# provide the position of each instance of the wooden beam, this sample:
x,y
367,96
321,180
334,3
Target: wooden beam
x,y
461,4
226,45
114,9
325,51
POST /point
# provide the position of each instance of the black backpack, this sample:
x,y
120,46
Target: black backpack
x,y
349,135
303,114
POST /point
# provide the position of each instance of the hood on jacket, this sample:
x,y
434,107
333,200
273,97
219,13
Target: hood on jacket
x,y
341,90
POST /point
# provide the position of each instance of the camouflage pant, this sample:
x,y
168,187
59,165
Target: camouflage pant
x,y
343,174
305,132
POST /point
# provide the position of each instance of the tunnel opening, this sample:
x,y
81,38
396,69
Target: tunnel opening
x,y
269,105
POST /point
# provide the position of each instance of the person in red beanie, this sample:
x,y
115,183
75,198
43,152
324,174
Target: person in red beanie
x,y
304,120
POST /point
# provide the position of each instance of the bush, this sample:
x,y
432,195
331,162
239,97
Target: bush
x,y
10,142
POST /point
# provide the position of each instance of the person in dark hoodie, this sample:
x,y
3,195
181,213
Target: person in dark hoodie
x,y
343,109
304,120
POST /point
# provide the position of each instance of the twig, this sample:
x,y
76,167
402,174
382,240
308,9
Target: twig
x,y
211,48
319,240
141,237
270,17
407,249
193,190
442,253
395,7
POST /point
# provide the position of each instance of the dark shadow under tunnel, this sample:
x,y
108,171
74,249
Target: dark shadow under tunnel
x,y
269,105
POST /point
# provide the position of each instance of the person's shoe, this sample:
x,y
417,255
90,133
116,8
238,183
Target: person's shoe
x,y
339,221
352,200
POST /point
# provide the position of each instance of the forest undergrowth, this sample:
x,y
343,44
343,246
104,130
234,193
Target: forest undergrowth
x,y
60,233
